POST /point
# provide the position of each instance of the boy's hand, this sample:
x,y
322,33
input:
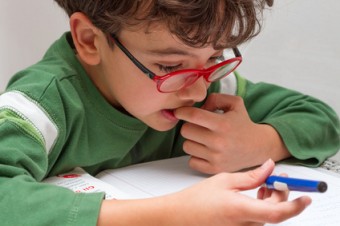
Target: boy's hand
x,y
228,140
214,201
218,201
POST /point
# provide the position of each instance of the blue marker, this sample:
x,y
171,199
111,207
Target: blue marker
x,y
294,184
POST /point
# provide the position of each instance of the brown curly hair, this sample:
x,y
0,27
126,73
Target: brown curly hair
x,y
222,23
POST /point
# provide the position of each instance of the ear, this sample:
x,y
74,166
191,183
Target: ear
x,y
85,38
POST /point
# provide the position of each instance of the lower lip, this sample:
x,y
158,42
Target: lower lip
x,y
169,114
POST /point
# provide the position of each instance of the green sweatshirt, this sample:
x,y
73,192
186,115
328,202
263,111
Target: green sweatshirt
x,y
52,119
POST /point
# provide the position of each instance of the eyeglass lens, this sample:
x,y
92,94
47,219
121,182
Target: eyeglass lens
x,y
222,71
182,80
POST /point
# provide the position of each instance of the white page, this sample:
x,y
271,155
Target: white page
x,y
152,178
167,176
325,207
78,180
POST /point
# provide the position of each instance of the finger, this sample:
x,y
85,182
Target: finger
x,y
202,136
264,193
252,178
261,193
274,196
201,165
285,210
268,212
222,102
196,149
198,116
277,196
197,133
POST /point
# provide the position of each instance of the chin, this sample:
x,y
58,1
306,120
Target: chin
x,y
162,127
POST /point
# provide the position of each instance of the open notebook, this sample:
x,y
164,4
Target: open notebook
x,y
171,175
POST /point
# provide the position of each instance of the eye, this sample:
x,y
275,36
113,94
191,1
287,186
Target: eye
x,y
168,69
216,59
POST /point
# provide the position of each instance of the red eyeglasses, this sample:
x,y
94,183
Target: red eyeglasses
x,y
180,79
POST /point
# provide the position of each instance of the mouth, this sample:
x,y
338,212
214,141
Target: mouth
x,y
169,114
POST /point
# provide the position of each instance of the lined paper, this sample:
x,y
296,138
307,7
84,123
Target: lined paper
x,y
171,175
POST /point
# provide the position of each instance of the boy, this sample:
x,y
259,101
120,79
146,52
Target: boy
x,y
111,93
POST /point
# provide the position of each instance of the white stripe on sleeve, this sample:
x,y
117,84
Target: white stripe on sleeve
x,y
31,111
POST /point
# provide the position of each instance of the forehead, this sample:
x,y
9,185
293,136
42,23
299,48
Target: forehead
x,y
157,39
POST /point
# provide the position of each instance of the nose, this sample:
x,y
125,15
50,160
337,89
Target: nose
x,y
195,92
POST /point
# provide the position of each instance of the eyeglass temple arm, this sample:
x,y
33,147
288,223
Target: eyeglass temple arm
x,y
237,52
141,66
132,58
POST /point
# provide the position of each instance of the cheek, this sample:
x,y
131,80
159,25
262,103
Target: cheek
x,y
143,99
138,94
131,88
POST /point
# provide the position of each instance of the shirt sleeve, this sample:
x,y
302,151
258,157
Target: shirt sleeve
x,y
308,127
24,199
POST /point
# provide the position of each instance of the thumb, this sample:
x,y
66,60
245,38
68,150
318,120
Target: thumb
x,y
218,101
253,178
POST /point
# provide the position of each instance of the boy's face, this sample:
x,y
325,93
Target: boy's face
x,y
127,88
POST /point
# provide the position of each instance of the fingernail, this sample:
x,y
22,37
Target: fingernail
x,y
267,163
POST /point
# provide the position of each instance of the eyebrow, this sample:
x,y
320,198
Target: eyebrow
x,y
169,51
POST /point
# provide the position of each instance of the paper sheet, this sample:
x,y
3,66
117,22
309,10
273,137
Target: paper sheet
x,y
79,181
163,177
325,207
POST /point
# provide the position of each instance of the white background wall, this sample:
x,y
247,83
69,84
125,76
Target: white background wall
x,y
299,46
27,29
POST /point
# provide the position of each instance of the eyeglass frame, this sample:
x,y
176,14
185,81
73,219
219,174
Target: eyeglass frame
x,y
160,79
